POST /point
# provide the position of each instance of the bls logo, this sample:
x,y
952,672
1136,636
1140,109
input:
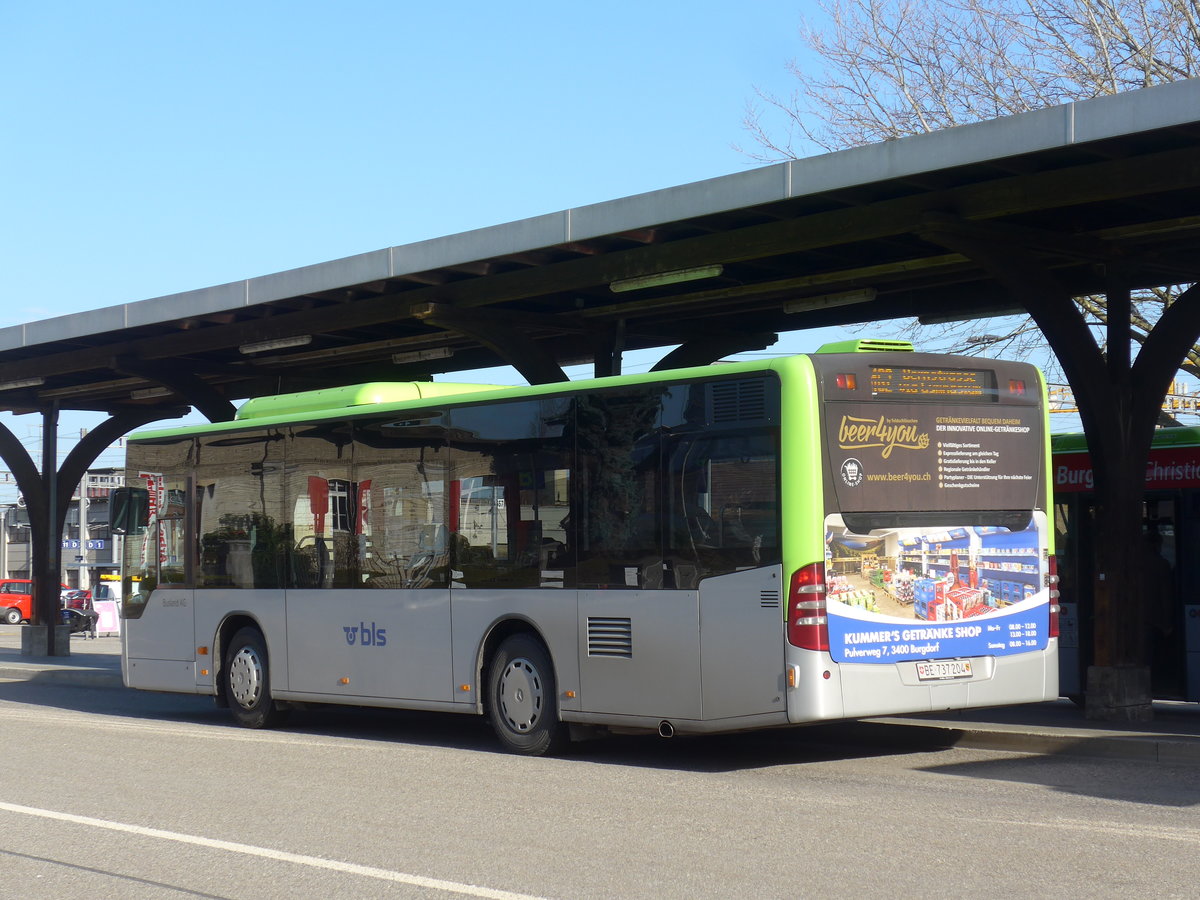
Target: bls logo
x,y
365,635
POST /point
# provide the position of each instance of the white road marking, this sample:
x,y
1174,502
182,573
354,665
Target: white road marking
x,y
300,859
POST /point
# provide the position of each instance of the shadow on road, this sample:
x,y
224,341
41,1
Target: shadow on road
x,y
707,753
1125,780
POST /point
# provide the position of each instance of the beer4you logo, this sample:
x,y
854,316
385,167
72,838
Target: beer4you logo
x,y
365,635
857,433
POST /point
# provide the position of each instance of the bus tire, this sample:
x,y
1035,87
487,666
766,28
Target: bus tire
x,y
247,678
12,616
523,698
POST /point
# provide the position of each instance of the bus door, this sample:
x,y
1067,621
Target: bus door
x,y
637,607
723,510
368,595
159,632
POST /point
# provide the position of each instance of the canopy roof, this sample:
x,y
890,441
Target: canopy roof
x,y
840,238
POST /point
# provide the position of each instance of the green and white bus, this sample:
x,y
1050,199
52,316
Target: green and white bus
x,y
854,532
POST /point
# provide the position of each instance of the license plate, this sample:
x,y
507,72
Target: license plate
x,y
943,669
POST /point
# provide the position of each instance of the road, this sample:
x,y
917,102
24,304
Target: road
x,y
110,793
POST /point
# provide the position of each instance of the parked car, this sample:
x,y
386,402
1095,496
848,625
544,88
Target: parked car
x,y
76,598
16,601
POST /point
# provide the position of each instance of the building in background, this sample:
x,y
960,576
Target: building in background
x,y
90,557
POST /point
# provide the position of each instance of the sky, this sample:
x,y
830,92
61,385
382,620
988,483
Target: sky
x,y
154,148
151,148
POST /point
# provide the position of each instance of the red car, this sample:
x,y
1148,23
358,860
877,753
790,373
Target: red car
x,y
16,601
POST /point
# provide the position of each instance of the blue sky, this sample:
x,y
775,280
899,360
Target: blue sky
x,y
154,148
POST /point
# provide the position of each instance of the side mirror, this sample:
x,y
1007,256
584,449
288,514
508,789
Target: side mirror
x,y
129,510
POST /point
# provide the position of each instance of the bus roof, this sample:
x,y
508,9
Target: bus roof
x,y
383,397
371,394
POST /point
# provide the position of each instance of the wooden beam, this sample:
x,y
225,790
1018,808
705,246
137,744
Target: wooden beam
x,y
515,348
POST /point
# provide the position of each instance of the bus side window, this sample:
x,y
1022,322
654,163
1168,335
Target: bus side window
x,y
322,546
509,484
400,490
241,534
615,519
722,505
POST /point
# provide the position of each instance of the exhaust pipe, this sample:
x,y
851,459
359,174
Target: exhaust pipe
x,y
666,729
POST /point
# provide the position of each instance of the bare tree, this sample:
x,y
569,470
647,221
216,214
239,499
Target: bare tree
x,y
891,68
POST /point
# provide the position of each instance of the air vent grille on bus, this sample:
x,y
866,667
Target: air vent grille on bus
x,y
768,599
738,401
866,345
610,636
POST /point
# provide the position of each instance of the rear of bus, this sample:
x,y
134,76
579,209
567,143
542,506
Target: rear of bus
x,y
921,573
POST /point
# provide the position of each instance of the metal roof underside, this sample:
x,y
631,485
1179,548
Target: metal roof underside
x,y
1114,181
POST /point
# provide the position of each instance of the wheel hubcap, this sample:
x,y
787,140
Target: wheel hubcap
x,y
246,677
520,695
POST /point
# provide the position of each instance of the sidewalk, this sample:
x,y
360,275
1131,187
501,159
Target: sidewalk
x,y
1055,728
94,663
1059,728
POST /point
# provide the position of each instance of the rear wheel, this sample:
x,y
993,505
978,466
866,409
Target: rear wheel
x,y
12,616
523,698
248,681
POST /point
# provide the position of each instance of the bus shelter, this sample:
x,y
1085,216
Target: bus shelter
x,y
1013,215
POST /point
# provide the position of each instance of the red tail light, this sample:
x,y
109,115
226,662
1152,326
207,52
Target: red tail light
x,y
1016,387
808,622
847,381
1052,584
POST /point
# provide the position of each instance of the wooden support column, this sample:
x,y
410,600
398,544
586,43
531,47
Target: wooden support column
x,y
48,495
607,347
45,541
1118,403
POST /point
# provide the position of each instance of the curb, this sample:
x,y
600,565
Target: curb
x,y
1043,741
1143,748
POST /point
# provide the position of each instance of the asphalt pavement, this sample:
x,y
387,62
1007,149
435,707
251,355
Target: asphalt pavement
x,y
1054,728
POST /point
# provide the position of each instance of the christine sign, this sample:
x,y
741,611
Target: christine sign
x,y
1168,468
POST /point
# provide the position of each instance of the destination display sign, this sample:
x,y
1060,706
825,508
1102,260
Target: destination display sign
x,y
919,382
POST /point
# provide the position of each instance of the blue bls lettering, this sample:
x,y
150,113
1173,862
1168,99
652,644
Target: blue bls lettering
x,y
365,635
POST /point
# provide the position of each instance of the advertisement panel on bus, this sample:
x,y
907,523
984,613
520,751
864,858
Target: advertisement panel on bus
x,y
913,590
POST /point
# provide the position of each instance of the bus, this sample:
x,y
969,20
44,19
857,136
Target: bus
x,y
1170,575
853,532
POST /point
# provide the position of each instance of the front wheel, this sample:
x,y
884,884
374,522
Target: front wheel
x,y
248,681
12,616
523,698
